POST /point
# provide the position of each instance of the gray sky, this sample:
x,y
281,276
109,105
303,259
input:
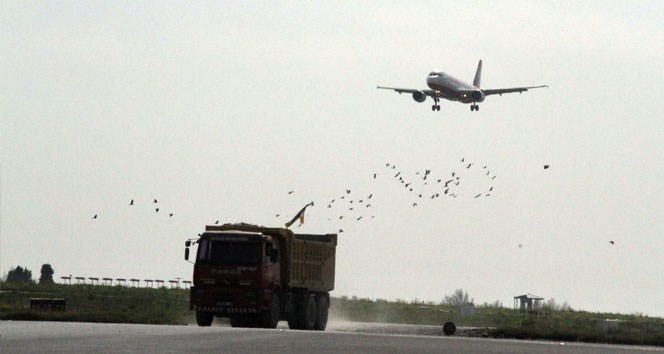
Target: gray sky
x,y
219,109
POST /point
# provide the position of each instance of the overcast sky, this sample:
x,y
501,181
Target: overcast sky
x,y
219,109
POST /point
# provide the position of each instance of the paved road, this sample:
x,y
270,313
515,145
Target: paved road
x,y
65,337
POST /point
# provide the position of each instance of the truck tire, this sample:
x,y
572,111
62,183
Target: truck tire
x,y
322,306
309,313
305,314
270,317
204,319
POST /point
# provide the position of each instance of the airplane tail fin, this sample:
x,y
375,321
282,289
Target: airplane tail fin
x,y
478,75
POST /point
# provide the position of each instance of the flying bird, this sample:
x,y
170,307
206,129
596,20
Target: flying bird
x,y
154,201
358,219
132,202
216,222
546,166
291,192
170,215
374,176
156,210
94,217
347,191
611,242
477,196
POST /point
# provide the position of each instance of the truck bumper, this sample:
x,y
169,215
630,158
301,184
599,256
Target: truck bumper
x,y
223,302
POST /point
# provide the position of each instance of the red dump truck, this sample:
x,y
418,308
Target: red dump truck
x,y
257,276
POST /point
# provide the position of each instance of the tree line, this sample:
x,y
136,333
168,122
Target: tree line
x,y
20,274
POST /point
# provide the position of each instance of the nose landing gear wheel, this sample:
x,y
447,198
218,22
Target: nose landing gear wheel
x,y
474,107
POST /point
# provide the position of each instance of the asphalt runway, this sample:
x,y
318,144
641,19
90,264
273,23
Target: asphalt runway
x,y
68,337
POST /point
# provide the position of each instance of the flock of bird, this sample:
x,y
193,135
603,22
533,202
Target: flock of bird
x,y
423,185
155,205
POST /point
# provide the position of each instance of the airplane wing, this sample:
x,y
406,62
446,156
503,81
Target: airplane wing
x,y
430,93
510,90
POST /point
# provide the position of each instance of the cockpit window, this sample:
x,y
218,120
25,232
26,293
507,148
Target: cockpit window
x,y
433,73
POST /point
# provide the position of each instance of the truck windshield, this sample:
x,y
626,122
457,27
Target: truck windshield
x,y
229,252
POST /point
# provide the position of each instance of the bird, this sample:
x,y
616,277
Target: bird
x,y
347,191
470,164
170,215
216,222
132,202
546,166
358,219
370,195
374,176
341,230
462,159
291,192
611,242
276,216
490,189
414,204
156,210
155,201
94,217
477,196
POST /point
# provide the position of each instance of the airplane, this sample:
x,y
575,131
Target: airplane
x,y
442,85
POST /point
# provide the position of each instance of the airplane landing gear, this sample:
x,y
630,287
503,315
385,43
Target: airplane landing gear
x,y
436,106
474,107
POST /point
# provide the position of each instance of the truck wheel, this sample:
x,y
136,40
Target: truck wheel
x,y
321,313
308,318
204,319
270,317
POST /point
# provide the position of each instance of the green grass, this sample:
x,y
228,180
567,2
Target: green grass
x,y
121,304
98,303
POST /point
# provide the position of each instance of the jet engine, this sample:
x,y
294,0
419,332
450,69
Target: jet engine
x,y
477,95
419,96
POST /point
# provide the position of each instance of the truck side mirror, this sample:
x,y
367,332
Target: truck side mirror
x,y
187,243
186,253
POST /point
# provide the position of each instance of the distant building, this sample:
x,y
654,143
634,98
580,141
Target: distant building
x,y
528,302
